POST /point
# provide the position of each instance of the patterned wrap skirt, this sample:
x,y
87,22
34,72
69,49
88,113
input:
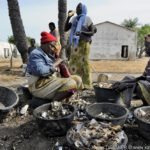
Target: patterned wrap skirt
x,y
48,87
79,63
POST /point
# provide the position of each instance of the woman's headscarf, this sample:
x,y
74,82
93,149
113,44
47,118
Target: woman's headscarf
x,y
76,26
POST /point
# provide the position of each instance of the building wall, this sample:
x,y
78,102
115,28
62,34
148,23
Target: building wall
x,y
108,41
6,50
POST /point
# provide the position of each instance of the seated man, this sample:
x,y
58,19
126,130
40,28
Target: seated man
x,y
41,68
131,85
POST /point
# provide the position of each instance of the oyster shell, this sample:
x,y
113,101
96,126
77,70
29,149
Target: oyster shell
x,y
144,115
105,115
141,113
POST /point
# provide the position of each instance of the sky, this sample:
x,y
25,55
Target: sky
x,y
36,14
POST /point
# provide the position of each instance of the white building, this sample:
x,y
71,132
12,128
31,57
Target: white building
x,y
113,41
7,49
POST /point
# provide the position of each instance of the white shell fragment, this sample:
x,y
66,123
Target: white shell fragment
x,y
24,109
144,115
105,115
44,114
141,113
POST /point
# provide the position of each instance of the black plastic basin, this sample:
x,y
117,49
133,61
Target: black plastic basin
x,y
8,99
143,126
54,127
120,113
106,94
36,102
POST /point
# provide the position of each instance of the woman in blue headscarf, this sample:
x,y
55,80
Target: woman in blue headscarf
x,y
82,29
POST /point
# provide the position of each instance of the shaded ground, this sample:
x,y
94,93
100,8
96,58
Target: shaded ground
x,y
22,133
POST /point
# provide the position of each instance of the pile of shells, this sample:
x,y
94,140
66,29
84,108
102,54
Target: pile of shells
x,y
79,103
94,135
105,115
145,116
56,110
80,117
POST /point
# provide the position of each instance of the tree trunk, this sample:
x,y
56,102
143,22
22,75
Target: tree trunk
x,y
18,28
62,14
11,58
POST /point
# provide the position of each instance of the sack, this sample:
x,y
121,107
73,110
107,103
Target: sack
x,y
64,71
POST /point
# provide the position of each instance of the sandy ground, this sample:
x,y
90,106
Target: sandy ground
x,y
114,69
108,66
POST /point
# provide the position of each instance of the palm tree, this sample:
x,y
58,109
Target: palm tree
x,y
18,28
62,14
130,23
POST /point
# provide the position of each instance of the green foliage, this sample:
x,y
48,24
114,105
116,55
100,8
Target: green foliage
x,y
12,40
142,32
130,23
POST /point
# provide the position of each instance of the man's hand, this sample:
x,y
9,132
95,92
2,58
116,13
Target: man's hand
x,y
57,62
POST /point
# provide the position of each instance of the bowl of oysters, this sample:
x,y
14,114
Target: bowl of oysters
x,y
55,118
93,135
105,93
107,112
142,115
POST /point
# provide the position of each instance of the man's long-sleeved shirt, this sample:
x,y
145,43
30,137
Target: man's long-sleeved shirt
x,y
40,64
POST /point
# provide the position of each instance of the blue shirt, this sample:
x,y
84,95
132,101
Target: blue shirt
x,y
40,64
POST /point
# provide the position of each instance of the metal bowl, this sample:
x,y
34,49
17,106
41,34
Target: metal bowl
x,y
54,127
120,113
143,125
